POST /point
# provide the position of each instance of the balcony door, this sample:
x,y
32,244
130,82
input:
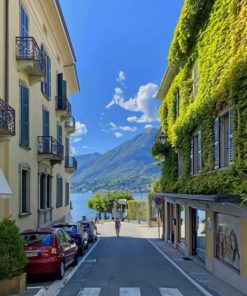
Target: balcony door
x,y
24,31
46,130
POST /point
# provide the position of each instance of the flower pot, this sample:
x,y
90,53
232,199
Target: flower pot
x,y
14,285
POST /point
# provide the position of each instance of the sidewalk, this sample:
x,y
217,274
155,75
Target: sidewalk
x,y
192,268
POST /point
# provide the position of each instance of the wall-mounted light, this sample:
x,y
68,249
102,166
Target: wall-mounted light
x,y
162,139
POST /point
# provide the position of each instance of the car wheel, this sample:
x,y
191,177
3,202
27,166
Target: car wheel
x,y
61,270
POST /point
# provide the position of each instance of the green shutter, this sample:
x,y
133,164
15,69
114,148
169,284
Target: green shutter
x,y
49,77
60,84
24,116
217,143
59,192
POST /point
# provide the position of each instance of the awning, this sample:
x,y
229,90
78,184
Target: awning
x,y
201,197
4,186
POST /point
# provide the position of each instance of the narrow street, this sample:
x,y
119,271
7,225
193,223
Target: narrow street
x,y
128,265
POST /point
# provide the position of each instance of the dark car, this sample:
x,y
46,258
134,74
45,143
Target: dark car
x,y
48,250
91,230
77,234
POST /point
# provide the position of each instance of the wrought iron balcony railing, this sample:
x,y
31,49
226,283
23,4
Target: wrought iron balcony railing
x,y
70,163
70,125
50,146
7,118
63,104
28,49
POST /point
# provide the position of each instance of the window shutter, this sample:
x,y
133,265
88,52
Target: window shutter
x,y
191,157
59,191
231,133
59,84
217,143
199,156
59,134
67,193
24,116
49,77
24,23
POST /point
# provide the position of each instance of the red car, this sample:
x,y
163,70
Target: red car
x,y
49,250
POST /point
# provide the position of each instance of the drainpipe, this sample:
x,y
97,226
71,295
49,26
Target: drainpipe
x,y
6,86
6,212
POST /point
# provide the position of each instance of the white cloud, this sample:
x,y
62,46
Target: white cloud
x,y
76,140
118,135
117,98
72,150
113,127
80,129
148,126
143,102
121,76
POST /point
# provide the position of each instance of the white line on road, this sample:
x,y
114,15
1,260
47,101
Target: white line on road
x,y
199,287
89,292
170,292
129,292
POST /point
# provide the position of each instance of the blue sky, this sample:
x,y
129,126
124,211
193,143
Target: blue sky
x,y
121,48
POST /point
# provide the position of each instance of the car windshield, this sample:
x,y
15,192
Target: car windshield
x,y
38,239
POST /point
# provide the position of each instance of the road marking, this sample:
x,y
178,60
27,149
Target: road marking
x,y
129,292
89,292
170,292
199,287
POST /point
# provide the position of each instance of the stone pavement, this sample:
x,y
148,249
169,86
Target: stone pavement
x,y
192,268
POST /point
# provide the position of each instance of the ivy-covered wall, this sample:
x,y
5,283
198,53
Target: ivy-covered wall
x,y
213,34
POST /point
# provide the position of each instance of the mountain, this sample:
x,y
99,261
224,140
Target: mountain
x,y
129,165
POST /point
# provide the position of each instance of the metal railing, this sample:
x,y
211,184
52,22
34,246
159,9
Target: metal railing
x,y
70,162
49,145
28,49
7,117
62,103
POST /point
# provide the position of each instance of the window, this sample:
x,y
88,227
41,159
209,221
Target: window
x,y
196,154
24,23
181,228
223,139
195,77
24,135
25,189
45,182
59,191
46,83
177,96
66,194
59,134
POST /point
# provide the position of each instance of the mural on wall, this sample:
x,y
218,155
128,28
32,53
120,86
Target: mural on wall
x,y
228,239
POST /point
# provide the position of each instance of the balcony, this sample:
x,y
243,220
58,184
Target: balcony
x,y
50,150
70,164
63,107
7,121
70,125
30,59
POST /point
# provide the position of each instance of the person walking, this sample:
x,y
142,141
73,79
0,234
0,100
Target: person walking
x,y
117,226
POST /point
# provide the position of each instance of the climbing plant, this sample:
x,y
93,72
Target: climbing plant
x,y
212,34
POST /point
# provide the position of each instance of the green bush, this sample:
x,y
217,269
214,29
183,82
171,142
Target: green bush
x,y
12,255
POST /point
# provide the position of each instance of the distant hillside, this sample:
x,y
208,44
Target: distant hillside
x,y
129,165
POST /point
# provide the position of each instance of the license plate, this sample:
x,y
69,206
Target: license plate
x,y
31,254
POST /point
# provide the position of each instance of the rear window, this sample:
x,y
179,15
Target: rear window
x,y
70,228
38,239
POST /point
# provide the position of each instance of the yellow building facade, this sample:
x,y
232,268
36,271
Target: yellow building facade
x,y
38,75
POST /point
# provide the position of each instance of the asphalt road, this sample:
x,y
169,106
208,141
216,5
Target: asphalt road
x,y
126,266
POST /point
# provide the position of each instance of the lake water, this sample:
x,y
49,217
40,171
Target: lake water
x,y
79,203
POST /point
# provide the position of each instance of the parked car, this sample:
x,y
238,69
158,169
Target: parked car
x,y
91,230
77,234
48,250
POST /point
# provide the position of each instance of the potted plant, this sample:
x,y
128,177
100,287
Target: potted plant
x,y
12,259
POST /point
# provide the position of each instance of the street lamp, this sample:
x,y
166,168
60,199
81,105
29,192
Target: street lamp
x,y
162,139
